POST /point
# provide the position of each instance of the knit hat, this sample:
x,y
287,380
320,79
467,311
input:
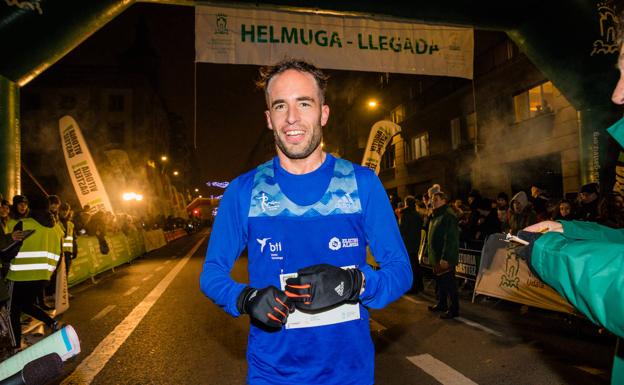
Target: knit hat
x,y
19,199
433,190
590,188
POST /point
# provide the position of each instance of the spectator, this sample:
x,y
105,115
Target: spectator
x,y
443,251
70,246
19,209
521,214
540,203
488,222
589,203
6,238
614,211
564,211
82,220
398,210
502,201
411,226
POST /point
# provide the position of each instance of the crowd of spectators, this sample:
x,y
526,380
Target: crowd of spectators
x,y
479,216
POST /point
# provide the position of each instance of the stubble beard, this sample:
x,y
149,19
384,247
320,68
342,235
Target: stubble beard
x,y
315,141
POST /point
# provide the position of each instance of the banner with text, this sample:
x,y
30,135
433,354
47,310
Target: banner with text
x,y
504,274
253,36
82,171
380,136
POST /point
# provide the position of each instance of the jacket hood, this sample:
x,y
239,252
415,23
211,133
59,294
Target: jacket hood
x,y
522,198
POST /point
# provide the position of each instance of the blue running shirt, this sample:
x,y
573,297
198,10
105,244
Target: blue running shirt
x,y
288,222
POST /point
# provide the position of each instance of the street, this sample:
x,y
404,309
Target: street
x,y
148,323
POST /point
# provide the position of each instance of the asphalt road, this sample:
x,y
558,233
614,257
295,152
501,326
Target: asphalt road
x,y
148,323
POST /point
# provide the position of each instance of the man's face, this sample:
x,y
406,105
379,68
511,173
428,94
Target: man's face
x,y
63,213
587,197
501,201
22,207
517,206
437,201
618,93
54,207
295,113
534,192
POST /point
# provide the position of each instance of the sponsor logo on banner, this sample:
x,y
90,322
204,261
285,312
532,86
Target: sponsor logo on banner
x,y
260,37
380,136
81,167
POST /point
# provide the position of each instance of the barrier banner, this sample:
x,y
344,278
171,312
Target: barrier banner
x,y
81,167
154,239
262,36
61,295
504,274
468,264
380,136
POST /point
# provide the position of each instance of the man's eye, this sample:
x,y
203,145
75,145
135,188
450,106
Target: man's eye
x,y
279,107
305,104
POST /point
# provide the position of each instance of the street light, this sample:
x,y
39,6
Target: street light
x,y
176,173
164,158
196,190
373,104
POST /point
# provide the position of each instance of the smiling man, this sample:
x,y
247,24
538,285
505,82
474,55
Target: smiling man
x,y
305,218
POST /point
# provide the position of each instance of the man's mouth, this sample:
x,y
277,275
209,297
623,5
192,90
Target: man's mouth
x,y
295,135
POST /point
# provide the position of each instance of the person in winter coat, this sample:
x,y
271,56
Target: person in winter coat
x,y
521,213
411,227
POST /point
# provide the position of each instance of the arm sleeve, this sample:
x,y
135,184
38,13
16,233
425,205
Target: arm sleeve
x,y
227,240
395,274
588,273
592,230
451,249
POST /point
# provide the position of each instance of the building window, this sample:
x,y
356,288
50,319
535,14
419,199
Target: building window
x,y
117,132
455,133
418,147
536,101
471,126
398,114
115,103
67,102
388,158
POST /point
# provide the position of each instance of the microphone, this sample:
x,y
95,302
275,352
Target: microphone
x,y
37,372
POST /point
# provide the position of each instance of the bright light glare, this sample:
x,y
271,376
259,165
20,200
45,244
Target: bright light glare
x,y
200,196
176,173
139,197
372,103
132,196
163,158
196,190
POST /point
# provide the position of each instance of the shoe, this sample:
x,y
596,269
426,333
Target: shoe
x,y
436,308
449,315
56,326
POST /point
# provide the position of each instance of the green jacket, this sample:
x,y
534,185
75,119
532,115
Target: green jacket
x,y
585,265
39,254
443,236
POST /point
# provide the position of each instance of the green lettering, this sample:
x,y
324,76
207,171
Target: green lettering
x,y
335,39
424,46
321,40
433,48
370,43
262,32
360,46
395,47
250,32
383,43
289,35
272,38
302,36
407,46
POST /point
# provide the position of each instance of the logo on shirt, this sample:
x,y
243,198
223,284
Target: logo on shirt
x,y
340,289
336,243
266,204
262,243
345,201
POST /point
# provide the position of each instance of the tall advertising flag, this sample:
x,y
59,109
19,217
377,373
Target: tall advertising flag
x,y
380,136
82,171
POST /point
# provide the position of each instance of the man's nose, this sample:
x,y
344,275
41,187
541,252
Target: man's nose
x,y
293,115
618,92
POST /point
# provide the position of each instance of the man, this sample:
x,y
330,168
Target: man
x,y
540,202
411,226
308,213
588,204
443,251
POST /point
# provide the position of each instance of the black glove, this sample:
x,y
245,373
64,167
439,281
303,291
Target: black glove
x,y
322,286
269,306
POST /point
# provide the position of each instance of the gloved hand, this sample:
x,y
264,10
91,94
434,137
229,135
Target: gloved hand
x,y
321,286
525,251
269,306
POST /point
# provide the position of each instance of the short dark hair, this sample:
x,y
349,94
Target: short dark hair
x,y
267,73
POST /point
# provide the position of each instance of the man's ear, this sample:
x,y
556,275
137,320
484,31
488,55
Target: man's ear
x,y
267,114
324,115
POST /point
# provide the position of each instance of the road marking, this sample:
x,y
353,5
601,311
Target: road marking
x,y
131,290
148,277
590,370
437,369
95,362
104,312
159,268
376,326
413,300
479,326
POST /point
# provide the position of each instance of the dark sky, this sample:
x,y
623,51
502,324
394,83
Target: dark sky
x,y
230,121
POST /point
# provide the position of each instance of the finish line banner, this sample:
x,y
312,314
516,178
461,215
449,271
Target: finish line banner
x,y
261,37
